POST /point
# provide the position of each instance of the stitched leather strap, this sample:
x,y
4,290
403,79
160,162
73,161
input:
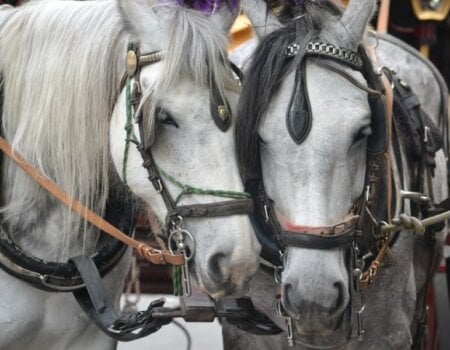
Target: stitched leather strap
x,y
153,255
225,208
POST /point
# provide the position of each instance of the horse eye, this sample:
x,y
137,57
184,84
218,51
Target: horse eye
x,y
362,134
165,117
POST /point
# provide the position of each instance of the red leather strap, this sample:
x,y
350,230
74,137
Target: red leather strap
x,y
340,228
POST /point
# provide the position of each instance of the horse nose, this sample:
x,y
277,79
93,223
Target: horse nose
x,y
218,265
319,306
317,300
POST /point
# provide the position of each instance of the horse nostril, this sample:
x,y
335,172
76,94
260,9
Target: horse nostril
x,y
289,306
217,264
341,298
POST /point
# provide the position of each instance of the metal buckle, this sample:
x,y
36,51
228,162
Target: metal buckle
x,y
266,213
159,187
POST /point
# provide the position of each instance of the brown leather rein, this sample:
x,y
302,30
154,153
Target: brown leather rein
x,y
155,256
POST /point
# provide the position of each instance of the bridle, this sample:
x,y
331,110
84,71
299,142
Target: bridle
x,y
274,230
340,234
240,202
368,231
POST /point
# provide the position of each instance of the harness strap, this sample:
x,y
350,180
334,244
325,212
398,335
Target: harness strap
x,y
153,255
347,224
95,302
227,208
368,276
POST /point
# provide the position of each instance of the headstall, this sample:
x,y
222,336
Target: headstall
x,y
240,202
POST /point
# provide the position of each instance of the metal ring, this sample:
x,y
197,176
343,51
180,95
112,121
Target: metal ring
x,y
192,246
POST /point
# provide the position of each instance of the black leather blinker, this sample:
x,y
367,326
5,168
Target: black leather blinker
x,y
220,109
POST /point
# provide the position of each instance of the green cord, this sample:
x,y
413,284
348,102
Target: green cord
x,y
187,189
176,280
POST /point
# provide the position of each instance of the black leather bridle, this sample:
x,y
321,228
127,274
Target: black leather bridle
x,y
271,235
221,114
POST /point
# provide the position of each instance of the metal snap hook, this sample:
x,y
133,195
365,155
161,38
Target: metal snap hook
x,y
177,222
159,187
277,274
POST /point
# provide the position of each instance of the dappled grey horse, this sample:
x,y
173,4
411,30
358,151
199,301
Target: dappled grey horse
x,y
310,130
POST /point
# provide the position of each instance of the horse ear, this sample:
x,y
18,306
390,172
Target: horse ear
x,y
348,32
225,16
263,20
144,19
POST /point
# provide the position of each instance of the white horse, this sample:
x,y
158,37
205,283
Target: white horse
x,y
62,65
315,173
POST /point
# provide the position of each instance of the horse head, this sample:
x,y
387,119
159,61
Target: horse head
x,y
305,111
188,109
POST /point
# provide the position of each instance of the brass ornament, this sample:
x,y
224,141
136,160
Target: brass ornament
x,y
132,62
433,11
223,112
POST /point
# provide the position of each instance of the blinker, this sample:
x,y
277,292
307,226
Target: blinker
x,y
299,116
219,108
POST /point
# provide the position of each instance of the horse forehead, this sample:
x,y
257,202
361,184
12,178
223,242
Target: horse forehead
x,y
333,94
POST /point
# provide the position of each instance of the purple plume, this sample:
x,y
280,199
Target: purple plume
x,y
299,2
207,7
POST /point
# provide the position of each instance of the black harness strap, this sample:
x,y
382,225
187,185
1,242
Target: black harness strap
x,y
95,302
